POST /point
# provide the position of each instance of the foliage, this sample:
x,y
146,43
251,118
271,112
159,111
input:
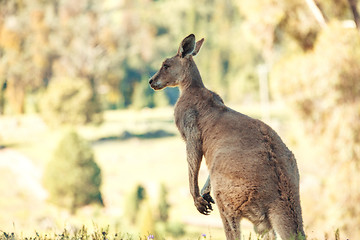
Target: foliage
x,y
70,101
145,219
142,96
82,233
335,102
148,221
133,203
72,177
161,99
101,234
115,47
176,229
163,205
324,86
171,228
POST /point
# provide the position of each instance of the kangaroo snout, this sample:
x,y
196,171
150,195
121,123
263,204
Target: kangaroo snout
x,y
152,82
155,83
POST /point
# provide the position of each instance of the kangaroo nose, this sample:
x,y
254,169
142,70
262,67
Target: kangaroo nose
x,y
150,81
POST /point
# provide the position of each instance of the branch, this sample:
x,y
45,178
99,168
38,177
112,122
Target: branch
x,y
355,12
317,12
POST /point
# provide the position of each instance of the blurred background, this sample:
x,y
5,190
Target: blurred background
x,y
85,141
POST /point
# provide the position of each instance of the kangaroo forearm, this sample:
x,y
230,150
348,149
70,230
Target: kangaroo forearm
x,y
194,157
206,188
193,182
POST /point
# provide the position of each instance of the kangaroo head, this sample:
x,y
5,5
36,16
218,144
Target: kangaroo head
x,y
175,69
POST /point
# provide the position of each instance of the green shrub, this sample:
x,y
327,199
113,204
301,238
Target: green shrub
x,y
161,98
133,203
145,219
70,101
72,176
176,229
164,205
142,95
325,89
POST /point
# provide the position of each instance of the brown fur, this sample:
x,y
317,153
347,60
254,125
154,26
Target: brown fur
x,y
253,174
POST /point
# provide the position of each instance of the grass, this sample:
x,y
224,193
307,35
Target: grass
x,y
104,234
83,234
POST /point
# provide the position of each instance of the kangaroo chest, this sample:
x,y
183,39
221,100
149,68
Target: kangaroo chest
x,y
186,121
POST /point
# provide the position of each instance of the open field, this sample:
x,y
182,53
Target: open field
x,y
131,147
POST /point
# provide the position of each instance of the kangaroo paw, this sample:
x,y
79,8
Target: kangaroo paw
x,y
208,198
203,206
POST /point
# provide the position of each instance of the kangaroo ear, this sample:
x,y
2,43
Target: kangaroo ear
x,y
187,46
198,46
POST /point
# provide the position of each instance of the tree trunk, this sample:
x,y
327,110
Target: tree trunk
x,y
353,6
319,16
15,93
73,206
2,97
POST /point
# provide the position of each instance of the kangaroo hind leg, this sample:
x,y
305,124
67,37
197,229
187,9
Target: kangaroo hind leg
x,y
230,218
264,229
231,226
287,223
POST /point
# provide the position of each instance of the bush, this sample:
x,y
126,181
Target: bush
x,y
142,95
325,88
133,202
72,176
70,101
176,229
145,219
164,205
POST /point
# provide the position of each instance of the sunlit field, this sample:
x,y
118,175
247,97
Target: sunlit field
x,y
131,147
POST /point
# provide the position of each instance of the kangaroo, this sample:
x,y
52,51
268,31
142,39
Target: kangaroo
x,y
252,173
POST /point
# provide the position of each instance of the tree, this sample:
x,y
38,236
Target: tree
x,y
164,205
142,95
72,177
70,101
133,202
353,6
146,221
324,88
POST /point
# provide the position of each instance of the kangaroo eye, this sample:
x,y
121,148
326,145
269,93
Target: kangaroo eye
x,y
166,66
